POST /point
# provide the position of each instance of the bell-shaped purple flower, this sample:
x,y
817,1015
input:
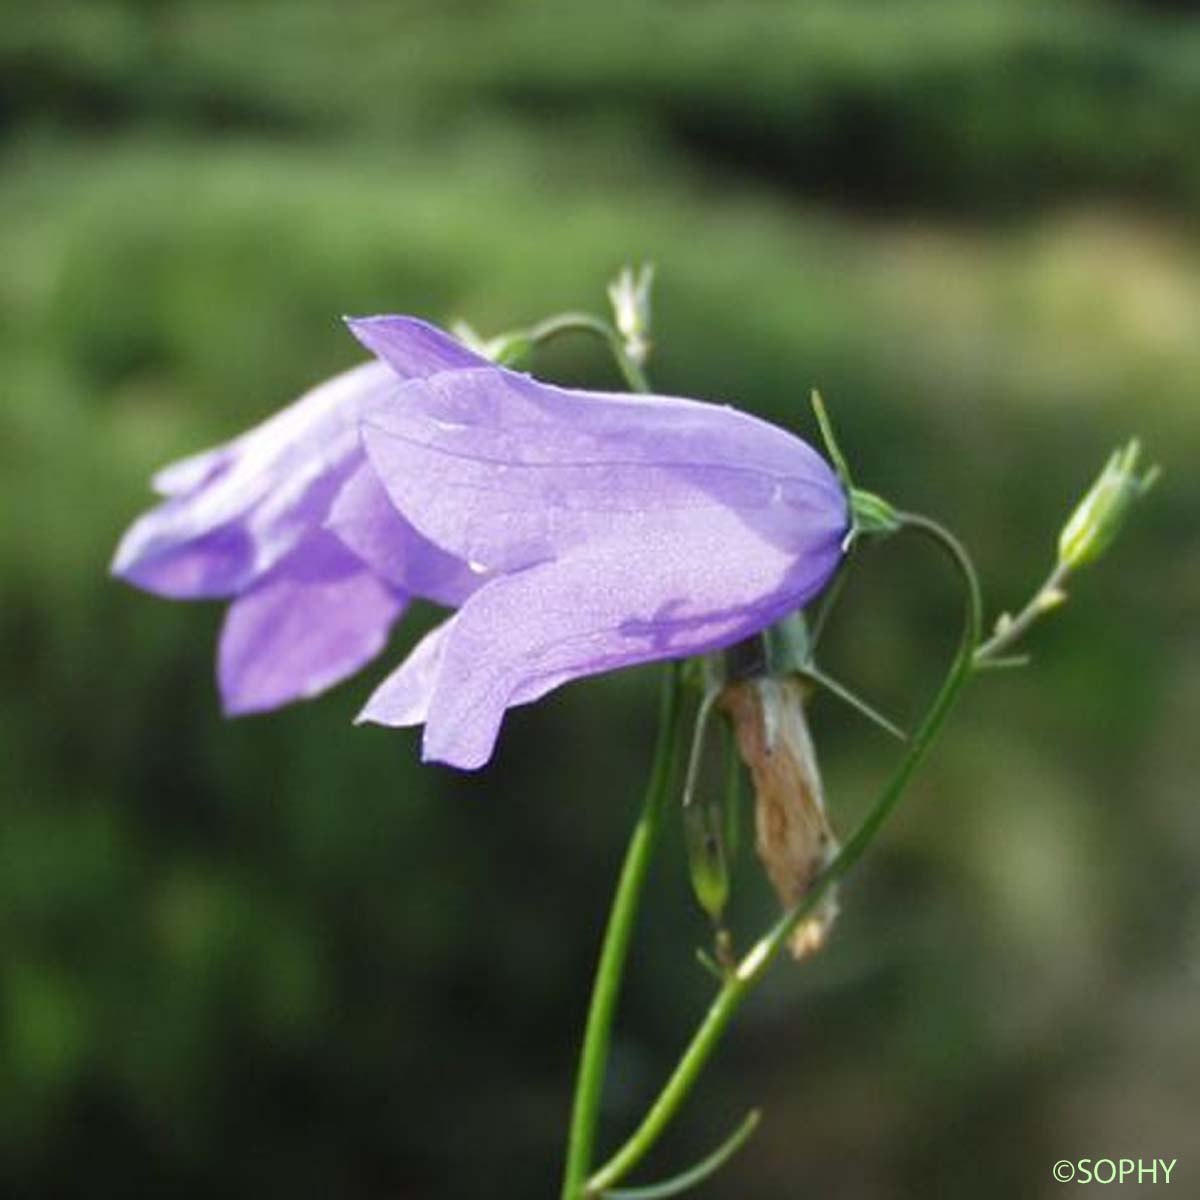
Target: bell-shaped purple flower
x,y
290,523
575,532
606,530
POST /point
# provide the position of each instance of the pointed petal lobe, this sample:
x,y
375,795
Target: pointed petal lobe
x,y
413,348
404,697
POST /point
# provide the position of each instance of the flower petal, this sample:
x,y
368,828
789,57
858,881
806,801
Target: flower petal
x,y
187,474
403,698
276,481
318,617
366,521
412,348
174,551
662,591
505,472
209,565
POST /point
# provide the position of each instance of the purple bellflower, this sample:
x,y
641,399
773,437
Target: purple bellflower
x,y
289,522
574,532
606,530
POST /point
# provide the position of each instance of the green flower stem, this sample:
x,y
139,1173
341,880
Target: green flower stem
x,y
752,967
576,322
1049,595
594,1057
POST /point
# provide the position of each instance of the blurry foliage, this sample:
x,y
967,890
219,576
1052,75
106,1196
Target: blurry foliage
x,y
279,956
968,104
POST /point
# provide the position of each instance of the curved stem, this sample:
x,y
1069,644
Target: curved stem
x,y
578,322
594,1056
750,970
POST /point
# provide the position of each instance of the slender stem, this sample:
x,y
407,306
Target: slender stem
x,y
750,970
594,1057
1048,596
578,322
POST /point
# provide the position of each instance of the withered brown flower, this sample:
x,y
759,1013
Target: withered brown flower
x,y
793,835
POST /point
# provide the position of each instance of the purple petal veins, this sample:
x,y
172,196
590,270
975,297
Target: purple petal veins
x,y
504,471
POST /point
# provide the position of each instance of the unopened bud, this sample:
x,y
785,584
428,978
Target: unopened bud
x,y
629,295
703,821
708,862
1101,513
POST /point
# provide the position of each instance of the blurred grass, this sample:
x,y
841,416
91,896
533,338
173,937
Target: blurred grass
x,y
249,957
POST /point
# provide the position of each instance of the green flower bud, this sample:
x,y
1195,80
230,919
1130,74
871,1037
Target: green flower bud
x,y
704,822
708,862
629,295
1102,511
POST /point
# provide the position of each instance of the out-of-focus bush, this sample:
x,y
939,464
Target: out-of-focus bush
x,y
970,106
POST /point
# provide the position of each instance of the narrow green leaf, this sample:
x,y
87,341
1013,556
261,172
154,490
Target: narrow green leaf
x,y
698,1174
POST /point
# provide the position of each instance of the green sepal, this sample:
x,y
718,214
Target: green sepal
x,y
871,515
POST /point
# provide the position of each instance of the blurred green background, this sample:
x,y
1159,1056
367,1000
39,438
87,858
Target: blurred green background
x,y
278,956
